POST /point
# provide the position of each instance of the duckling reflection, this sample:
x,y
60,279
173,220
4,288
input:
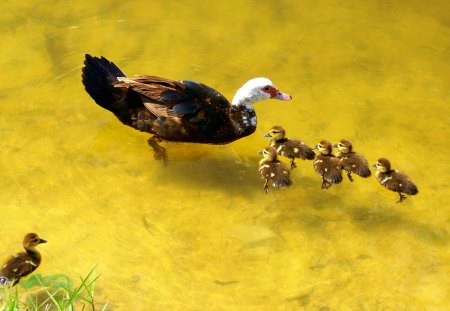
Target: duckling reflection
x,y
327,165
394,180
351,161
24,263
287,147
273,170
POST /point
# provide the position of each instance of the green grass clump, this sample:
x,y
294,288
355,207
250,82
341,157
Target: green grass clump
x,y
53,292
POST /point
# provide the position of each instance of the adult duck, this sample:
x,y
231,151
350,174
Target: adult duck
x,y
175,110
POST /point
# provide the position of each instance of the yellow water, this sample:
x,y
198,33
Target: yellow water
x,y
201,234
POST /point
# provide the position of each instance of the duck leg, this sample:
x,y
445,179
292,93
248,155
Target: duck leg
x,y
349,175
325,184
402,197
160,152
266,186
293,165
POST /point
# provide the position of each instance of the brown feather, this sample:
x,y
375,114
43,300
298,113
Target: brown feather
x,y
150,86
329,167
355,163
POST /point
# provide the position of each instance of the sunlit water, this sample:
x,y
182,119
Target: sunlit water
x,y
201,234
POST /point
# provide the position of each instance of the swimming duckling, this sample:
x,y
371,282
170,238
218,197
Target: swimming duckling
x,y
271,169
327,165
290,148
394,180
352,162
22,264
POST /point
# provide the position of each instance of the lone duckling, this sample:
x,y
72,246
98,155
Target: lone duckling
x,y
327,165
287,147
22,264
394,180
351,161
273,170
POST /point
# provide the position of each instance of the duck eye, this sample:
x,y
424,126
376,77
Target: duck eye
x,y
266,88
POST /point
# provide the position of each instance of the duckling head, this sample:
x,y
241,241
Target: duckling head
x,y
344,146
276,132
31,240
255,90
383,165
269,153
324,147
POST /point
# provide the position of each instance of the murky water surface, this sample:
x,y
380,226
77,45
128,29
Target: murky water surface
x,y
201,234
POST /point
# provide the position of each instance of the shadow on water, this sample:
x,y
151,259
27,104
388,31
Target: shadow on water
x,y
228,175
378,217
310,208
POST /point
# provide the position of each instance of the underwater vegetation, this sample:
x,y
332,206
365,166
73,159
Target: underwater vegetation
x,y
52,292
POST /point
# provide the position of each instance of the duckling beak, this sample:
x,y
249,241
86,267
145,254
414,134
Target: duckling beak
x,y
267,135
335,146
282,96
42,241
260,152
374,166
315,147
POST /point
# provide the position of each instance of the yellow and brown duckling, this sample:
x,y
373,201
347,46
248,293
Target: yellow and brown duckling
x,y
287,147
272,170
394,180
327,165
351,161
22,264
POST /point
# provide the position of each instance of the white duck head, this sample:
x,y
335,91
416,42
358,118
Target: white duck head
x,y
255,90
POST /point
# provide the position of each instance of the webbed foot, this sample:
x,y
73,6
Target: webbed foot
x,y
293,165
349,175
325,184
266,186
402,197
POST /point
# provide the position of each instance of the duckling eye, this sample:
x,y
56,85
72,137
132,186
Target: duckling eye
x,y
266,88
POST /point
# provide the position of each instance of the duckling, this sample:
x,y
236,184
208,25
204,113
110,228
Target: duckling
x,y
327,165
290,148
351,161
394,180
271,169
22,264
